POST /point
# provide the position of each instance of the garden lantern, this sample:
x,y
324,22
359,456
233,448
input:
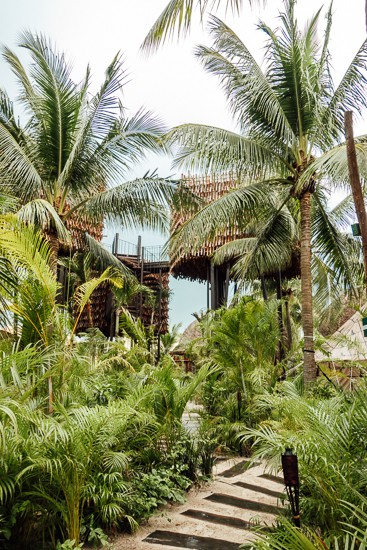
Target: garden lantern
x,y
291,482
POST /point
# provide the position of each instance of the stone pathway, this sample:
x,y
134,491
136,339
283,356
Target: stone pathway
x,y
219,516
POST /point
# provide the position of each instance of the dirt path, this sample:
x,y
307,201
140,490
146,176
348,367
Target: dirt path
x,y
218,516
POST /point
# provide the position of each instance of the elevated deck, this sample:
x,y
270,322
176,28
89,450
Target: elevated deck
x,y
150,266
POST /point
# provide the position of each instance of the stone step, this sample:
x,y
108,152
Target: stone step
x,y
245,504
194,542
238,468
276,479
228,521
259,489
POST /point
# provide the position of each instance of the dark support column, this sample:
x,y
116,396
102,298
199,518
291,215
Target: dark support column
x,y
61,295
263,288
208,287
139,249
288,324
213,288
220,282
159,316
226,286
141,282
115,244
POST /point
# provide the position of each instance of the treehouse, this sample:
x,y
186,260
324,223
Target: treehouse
x,y
198,266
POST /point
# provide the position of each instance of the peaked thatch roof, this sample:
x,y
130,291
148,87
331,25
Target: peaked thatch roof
x,y
192,332
348,343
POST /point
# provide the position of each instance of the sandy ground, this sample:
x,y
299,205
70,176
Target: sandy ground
x,y
170,517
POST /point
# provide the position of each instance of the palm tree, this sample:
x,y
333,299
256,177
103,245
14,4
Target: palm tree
x,y
178,15
66,163
290,145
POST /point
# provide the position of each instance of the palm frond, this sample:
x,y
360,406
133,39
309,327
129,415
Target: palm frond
x,y
232,210
42,214
271,249
328,242
176,19
27,248
209,149
349,95
15,159
332,166
83,293
104,258
142,202
252,98
57,99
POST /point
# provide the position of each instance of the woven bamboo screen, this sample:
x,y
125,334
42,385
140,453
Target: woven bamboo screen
x,y
193,265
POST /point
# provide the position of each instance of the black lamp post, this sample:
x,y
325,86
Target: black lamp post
x,y
291,482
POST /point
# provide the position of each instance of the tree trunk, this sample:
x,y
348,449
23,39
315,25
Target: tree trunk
x,y
54,243
288,325
50,396
263,288
310,370
355,184
280,315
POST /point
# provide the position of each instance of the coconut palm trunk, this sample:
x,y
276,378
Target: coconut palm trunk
x,y
310,371
54,242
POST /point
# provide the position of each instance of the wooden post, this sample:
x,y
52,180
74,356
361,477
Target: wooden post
x,y
50,396
159,317
141,282
355,184
280,313
115,244
139,249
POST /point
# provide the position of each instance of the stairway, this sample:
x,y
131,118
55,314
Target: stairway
x,y
221,516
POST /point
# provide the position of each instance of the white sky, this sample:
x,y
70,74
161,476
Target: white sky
x,y
171,83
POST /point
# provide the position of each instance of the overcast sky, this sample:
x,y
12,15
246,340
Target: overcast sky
x,y
171,82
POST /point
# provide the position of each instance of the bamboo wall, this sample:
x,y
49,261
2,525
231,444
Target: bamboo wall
x,y
77,226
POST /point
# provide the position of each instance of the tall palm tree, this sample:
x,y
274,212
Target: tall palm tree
x,y
290,142
177,15
66,164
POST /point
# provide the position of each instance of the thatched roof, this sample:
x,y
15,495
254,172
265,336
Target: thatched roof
x,y
348,343
192,332
194,266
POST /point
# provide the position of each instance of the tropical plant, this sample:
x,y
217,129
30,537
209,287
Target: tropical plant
x,y
287,155
288,537
241,344
64,163
326,435
75,463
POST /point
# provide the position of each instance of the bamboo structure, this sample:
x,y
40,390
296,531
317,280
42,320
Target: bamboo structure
x,y
96,313
197,266
194,265
152,270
